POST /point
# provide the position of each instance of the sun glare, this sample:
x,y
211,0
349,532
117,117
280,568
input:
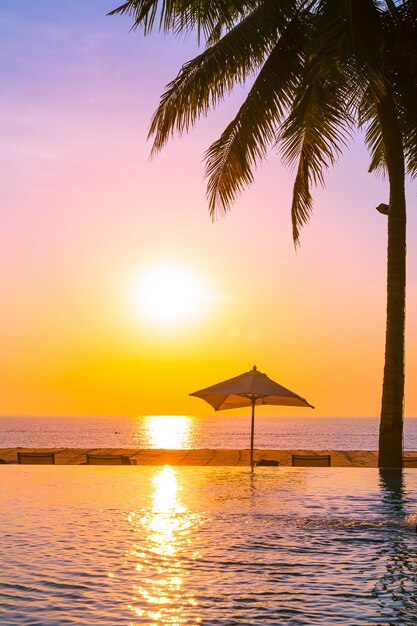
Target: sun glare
x,y
168,431
169,294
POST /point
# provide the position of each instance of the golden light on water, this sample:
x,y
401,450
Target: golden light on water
x,y
168,431
165,490
162,585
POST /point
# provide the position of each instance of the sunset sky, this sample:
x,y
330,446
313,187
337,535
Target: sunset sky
x,y
90,229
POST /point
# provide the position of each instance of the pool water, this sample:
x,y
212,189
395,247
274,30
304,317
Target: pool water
x,y
161,545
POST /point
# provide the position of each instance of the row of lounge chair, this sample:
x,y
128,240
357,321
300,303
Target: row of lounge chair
x,y
297,460
48,458
300,460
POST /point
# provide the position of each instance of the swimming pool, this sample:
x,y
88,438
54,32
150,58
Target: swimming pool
x,y
161,545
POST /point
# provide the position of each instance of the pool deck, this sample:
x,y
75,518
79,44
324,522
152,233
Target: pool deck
x,y
217,457
76,456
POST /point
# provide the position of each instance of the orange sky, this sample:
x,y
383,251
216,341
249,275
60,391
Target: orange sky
x,y
85,215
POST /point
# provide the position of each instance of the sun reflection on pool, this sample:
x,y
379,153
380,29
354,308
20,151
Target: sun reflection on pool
x,y
162,560
168,431
165,490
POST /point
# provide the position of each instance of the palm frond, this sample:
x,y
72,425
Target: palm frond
x,y
344,58
401,69
350,33
231,159
375,143
302,200
183,16
207,79
319,126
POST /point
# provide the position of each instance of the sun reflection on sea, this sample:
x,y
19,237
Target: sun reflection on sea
x,y
161,592
168,431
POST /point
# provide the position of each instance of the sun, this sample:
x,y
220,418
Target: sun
x,y
169,294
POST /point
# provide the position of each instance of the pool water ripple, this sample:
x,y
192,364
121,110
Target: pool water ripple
x,y
210,546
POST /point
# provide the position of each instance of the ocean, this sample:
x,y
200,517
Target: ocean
x,y
191,432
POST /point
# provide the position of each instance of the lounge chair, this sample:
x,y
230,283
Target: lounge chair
x,y
298,460
265,462
36,458
109,459
410,461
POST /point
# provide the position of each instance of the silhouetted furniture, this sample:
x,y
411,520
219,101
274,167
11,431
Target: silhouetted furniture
x,y
299,460
410,461
265,462
109,459
36,458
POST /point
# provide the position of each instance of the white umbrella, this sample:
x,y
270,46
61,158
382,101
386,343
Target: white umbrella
x,y
249,389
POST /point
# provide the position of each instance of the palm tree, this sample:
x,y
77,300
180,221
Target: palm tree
x,y
318,71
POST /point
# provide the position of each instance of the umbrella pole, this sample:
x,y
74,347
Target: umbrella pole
x,y
252,432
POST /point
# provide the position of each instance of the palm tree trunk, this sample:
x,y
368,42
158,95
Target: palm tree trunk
x,y
391,423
